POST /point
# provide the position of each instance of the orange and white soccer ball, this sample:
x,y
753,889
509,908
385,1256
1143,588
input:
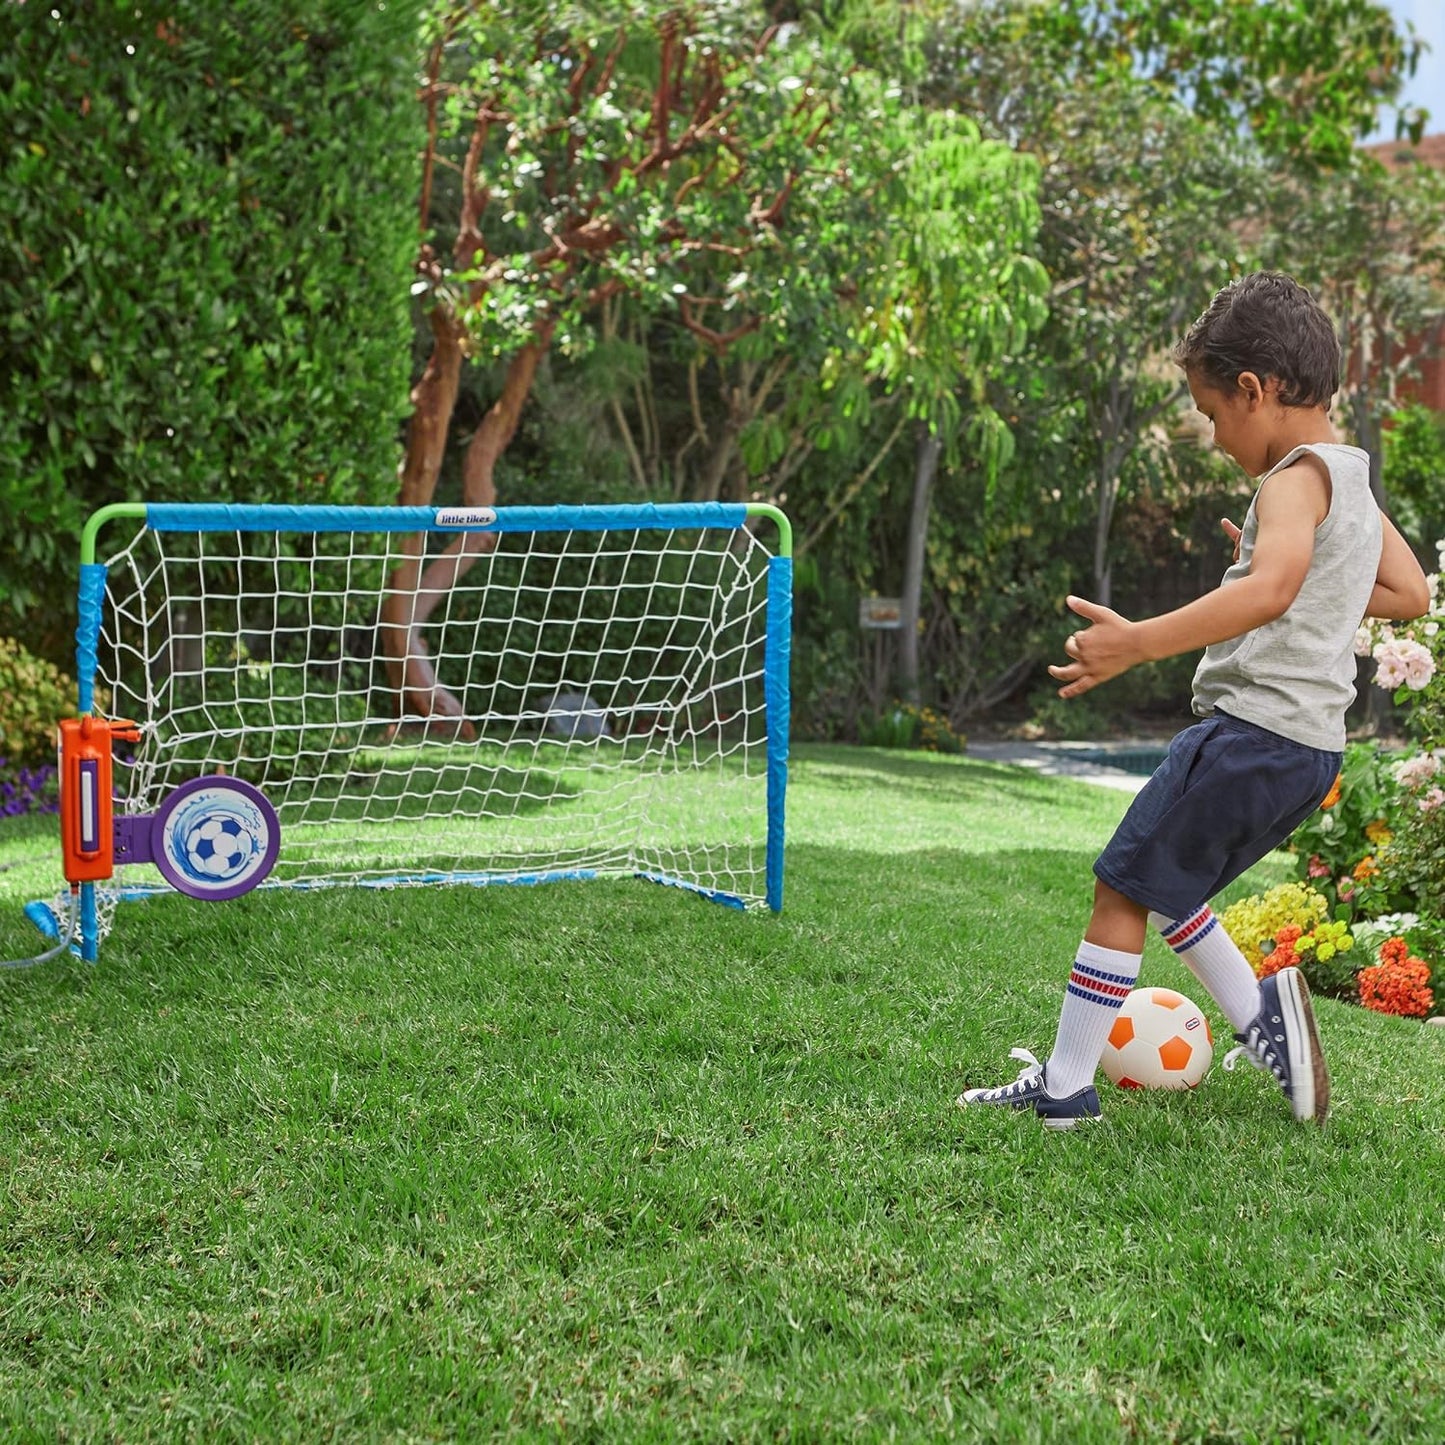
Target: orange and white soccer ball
x,y
1161,1040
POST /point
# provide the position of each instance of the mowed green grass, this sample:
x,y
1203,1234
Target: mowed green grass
x,y
603,1161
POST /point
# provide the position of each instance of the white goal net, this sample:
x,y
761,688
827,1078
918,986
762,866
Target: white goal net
x,y
606,689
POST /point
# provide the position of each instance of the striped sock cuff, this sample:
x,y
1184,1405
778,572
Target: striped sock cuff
x,y
1096,986
1184,934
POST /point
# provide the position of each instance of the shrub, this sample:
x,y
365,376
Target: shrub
x,y
905,726
34,696
207,229
1414,462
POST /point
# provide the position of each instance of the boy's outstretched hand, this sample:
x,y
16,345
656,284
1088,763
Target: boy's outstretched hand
x,y
1104,649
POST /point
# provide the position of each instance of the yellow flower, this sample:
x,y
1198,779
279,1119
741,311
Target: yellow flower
x,y
1254,921
1378,832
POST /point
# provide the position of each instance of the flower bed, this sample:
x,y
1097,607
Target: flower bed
x,y
1366,919
27,790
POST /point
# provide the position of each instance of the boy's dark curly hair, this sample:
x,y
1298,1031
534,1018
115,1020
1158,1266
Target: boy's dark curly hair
x,y
1269,324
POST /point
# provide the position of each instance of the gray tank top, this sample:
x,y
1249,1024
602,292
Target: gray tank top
x,y
1296,675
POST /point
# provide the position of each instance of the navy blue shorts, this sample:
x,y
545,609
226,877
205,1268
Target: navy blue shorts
x,y
1226,795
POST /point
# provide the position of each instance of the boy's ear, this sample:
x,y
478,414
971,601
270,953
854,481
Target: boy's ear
x,y
1252,388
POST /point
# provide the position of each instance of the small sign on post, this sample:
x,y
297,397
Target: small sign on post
x,y
883,614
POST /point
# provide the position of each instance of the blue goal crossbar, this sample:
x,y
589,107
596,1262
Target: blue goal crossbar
x,y
679,516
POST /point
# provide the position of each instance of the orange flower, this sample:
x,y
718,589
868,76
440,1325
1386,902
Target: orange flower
x,y
1394,951
1333,796
1283,954
1365,868
1398,987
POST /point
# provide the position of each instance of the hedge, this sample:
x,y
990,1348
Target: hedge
x,y
207,231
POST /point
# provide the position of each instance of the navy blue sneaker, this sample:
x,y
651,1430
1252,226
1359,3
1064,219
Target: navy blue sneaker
x,y
1284,1041
1080,1108
1028,1092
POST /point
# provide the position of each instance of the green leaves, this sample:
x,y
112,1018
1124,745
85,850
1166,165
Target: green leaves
x,y
1306,76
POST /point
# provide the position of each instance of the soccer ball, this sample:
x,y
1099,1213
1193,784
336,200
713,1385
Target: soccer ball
x,y
219,846
1160,1040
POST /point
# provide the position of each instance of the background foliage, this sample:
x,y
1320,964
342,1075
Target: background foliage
x,y
907,270
206,221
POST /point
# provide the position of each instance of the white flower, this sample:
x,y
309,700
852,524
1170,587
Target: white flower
x,y
1370,934
1364,641
1429,628
1398,922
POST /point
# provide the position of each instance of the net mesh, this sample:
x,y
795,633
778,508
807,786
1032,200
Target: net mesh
x,y
611,690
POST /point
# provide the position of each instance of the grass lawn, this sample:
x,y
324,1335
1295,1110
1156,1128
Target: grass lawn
x,y
604,1161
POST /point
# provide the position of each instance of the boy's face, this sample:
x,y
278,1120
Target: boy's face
x,y
1237,416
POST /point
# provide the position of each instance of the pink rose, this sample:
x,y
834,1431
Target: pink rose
x,y
1413,772
1401,662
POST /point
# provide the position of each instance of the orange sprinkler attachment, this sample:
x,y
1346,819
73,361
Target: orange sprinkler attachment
x,y
86,832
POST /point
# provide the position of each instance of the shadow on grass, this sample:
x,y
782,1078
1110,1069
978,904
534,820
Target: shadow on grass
x,y
865,915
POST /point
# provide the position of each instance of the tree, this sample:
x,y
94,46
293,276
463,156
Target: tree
x,y
1305,77
576,154
1161,131
1372,245
721,177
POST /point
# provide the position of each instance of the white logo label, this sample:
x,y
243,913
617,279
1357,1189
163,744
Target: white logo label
x,y
466,516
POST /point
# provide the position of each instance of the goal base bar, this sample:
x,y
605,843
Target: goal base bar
x,y
42,913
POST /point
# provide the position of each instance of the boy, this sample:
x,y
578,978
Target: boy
x,y
1314,556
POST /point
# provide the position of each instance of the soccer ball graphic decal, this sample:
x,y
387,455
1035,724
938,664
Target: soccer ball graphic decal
x,y
220,847
215,838
1160,1040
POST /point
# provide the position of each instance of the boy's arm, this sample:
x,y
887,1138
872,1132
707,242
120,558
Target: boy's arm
x,y
1289,507
1401,589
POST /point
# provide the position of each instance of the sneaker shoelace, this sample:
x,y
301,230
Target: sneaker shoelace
x,y
1029,1075
1259,1049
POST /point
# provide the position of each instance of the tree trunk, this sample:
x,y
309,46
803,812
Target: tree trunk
x,y
1103,566
415,591
433,399
719,463
925,470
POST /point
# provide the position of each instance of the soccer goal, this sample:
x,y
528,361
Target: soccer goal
x,y
606,695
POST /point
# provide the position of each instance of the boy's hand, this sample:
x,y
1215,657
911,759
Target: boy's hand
x,y
1233,533
1102,650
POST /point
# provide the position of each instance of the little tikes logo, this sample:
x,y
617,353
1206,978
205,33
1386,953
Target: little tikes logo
x,y
466,516
1192,1023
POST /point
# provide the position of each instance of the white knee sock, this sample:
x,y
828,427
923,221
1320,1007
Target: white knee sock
x,y
1211,956
1098,986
